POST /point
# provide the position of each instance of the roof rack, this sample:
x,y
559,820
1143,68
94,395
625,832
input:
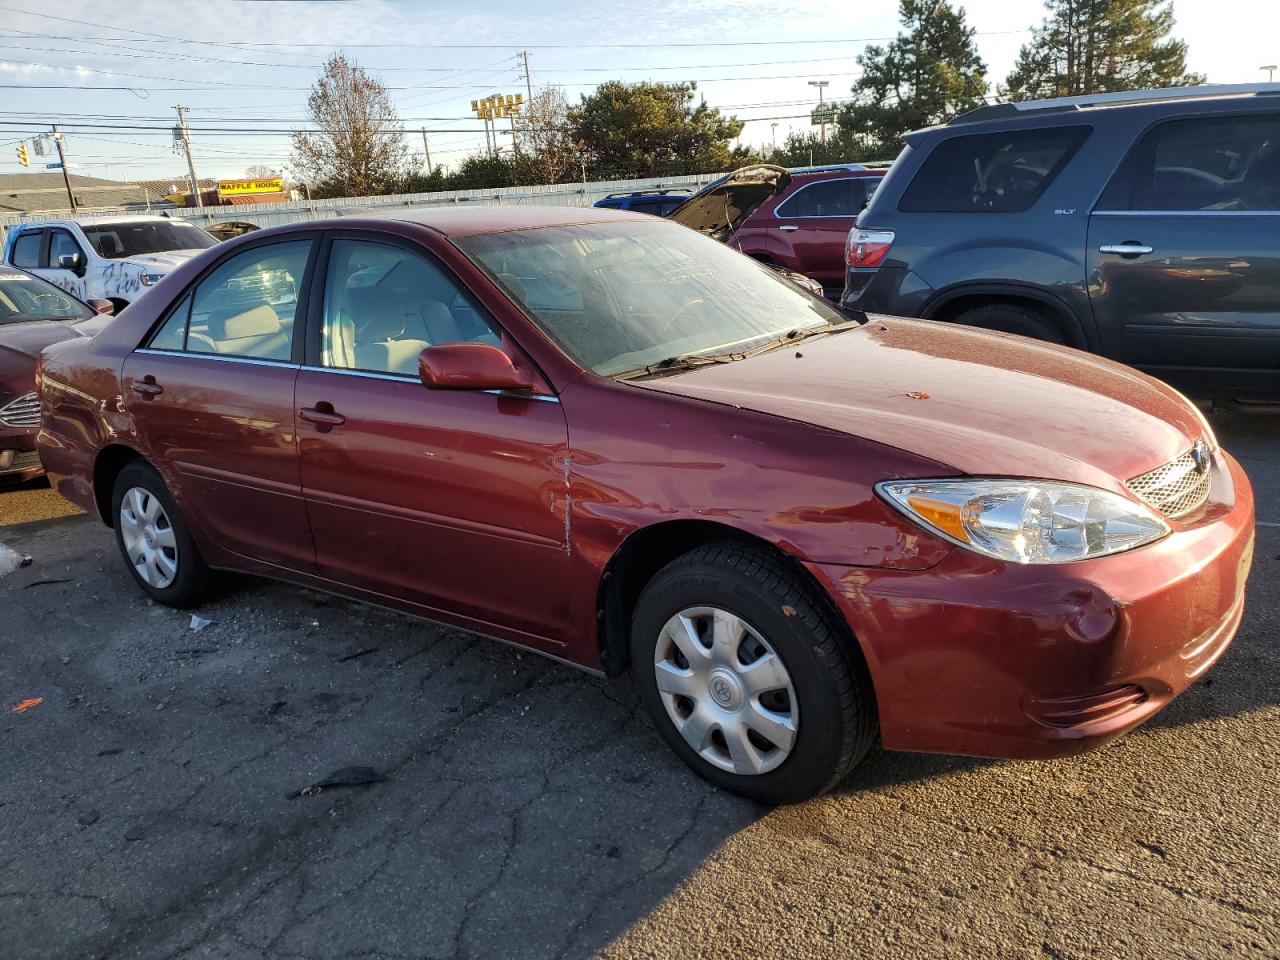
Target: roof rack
x,y
1061,104
851,167
656,191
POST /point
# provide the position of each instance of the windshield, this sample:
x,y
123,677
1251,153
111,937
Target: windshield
x,y
116,240
28,298
621,296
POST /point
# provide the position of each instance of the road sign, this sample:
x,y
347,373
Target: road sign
x,y
824,114
53,166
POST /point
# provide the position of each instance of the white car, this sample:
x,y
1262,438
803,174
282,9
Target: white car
x,y
116,259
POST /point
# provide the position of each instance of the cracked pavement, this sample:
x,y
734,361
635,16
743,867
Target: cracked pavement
x,y
530,811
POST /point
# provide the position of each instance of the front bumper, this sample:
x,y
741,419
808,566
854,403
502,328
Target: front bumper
x,y
18,457
980,657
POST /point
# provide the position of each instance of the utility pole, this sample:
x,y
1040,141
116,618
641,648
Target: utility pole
x,y
183,135
66,177
528,79
426,148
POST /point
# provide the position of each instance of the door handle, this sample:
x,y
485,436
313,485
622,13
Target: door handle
x,y
788,227
1130,248
322,416
147,387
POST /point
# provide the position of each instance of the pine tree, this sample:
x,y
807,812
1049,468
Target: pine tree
x,y
1098,46
925,76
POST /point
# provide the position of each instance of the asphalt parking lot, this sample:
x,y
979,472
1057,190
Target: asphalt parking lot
x,y
151,775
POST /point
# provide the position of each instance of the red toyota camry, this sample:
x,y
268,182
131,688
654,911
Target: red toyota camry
x,y
619,443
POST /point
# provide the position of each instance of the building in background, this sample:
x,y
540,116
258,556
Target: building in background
x,y
25,193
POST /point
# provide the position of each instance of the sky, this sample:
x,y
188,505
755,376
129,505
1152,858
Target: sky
x,y
250,63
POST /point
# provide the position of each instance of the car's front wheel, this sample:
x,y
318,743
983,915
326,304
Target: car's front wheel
x,y
154,541
749,676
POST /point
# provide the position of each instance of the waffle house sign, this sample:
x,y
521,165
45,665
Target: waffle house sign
x,y
248,188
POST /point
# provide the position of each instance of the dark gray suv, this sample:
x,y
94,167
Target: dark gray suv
x,y
1142,226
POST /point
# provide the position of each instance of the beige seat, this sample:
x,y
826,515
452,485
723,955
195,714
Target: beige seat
x,y
255,332
379,318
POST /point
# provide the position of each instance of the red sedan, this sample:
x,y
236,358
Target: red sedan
x,y
621,444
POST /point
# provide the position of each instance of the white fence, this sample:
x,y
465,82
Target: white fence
x,y
271,214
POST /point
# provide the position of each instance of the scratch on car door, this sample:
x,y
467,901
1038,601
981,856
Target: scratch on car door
x,y
568,508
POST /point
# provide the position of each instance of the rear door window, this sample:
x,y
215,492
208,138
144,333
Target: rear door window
x,y
991,172
841,197
1209,163
26,249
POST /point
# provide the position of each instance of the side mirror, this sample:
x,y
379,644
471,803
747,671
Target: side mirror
x,y
470,366
73,262
102,306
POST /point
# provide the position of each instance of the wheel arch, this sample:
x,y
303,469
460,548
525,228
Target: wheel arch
x,y
646,551
948,304
107,465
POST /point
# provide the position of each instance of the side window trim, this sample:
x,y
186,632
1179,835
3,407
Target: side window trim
x,y
780,213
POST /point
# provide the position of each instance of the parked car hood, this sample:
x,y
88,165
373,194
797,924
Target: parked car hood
x,y
166,261
718,209
20,344
984,403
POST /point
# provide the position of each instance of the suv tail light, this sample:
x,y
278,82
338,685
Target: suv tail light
x,y
866,248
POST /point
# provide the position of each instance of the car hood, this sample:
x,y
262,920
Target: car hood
x,y
20,344
721,207
162,262
984,403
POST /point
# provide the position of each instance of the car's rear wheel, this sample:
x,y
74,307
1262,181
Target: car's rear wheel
x,y
1012,318
749,676
154,541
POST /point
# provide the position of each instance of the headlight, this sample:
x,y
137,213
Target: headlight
x,y
151,279
1027,521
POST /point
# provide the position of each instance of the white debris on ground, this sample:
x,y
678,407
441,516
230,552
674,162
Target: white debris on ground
x,y
11,560
198,622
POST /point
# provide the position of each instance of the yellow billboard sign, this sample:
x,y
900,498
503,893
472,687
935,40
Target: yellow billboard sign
x,y
240,188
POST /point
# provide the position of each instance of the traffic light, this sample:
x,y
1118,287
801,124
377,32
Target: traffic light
x,y
22,154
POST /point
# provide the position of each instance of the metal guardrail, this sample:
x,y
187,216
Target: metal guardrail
x,y
271,214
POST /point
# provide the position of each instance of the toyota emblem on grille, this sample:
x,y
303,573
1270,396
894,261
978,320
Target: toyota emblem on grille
x,y
1200,456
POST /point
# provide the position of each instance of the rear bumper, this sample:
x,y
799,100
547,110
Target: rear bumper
x,y
985,658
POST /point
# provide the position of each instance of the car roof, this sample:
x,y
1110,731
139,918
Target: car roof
x,y
455,222
100,218
870,169
1121,99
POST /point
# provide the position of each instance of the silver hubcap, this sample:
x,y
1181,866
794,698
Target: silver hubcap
x,y
149,541
726,690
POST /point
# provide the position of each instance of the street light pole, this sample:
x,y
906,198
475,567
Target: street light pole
x,y
822,113
773,133
1271,68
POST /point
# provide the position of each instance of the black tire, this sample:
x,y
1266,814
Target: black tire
x,y
837,714
1011,318
193,582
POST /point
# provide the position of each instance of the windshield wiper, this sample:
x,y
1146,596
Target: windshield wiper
x,y
684,361
795,336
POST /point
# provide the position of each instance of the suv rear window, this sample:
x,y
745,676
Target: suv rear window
x,y
991,172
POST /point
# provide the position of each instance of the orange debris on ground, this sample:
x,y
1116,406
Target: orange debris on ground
x,y
26,705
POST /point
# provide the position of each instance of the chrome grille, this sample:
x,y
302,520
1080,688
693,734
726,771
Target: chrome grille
x,y
23,411
1176,488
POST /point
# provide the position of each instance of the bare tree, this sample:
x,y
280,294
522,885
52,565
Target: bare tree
x,y
545,136
260,171
358,146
